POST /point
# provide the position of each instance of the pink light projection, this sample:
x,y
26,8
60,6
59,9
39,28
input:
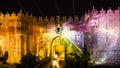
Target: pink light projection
x,y
106,35
101,31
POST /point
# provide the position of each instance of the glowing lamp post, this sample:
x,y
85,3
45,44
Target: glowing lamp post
x,y
58,29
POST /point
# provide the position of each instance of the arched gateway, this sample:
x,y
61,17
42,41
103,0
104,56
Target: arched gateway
x,y
63,49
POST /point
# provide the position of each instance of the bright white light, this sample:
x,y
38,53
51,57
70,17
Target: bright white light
x,y
103,59
55,56
55,63
70,35
67,33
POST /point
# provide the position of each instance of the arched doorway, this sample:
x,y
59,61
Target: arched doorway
x,y
63,49
58,48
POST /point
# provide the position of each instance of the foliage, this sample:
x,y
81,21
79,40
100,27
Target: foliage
x,y
28,61
78,61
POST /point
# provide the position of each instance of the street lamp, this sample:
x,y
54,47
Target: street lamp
x,y
58,29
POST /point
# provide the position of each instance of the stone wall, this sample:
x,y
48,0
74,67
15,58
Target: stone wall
x,y
20,33
105,35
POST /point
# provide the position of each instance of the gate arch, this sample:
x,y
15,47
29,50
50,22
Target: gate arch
x,y
70,49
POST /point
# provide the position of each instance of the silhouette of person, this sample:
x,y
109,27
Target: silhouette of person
x,y
0,51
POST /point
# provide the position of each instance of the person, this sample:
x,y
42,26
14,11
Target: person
x,y
5,57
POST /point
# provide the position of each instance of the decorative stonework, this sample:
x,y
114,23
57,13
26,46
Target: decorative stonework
x,y
100,28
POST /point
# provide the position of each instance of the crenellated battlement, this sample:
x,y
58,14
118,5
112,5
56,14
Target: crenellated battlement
x,y
26,16
20,33
104,32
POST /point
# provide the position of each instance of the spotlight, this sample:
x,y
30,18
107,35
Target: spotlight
x,y
58,30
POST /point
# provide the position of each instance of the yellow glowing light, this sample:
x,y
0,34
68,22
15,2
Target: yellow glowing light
x,y
98,62
41,30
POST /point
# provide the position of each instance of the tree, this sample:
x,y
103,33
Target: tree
x,y
28,61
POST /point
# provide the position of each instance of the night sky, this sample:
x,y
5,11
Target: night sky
x,y
56,7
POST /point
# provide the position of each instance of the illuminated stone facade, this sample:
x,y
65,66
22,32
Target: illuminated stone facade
x,y
10,35
103,36
23,33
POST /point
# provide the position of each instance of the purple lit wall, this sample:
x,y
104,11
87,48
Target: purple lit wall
x,y
100,31
105,33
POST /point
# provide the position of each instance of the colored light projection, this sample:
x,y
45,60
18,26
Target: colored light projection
x,y
10,40
21,34
99,32
106,36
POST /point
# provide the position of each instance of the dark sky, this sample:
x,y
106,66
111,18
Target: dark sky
x,y
56,7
